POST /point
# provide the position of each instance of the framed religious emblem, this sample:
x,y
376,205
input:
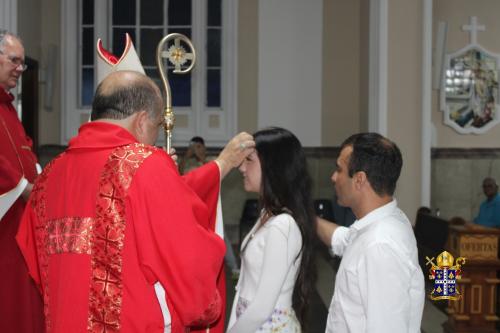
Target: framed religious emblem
x,y
469,88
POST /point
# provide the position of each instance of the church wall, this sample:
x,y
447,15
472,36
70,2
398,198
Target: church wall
x,y
248,65
27,20
233,195
290,71
39,27
404,96
457,13
341,71
364,42
50,114
456,178
342,74
345,82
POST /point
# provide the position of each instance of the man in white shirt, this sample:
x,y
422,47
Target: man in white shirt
x,y
379,285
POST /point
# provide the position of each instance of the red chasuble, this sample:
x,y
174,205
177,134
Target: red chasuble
x,y
20,303
109,218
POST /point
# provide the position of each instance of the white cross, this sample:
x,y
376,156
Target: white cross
x,y
473,27
444,281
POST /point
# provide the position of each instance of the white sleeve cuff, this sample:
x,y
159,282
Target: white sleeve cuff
x,y
160,295
339,240
219,165
219,222
8,199
38,169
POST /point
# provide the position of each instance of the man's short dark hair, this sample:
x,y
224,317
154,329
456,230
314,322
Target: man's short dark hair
x,y
125,100
197,139
378,157
490,180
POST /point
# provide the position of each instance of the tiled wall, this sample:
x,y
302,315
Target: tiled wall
x,y
457,176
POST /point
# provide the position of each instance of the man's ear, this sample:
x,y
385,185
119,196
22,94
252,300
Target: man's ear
x,y
359,179
139,123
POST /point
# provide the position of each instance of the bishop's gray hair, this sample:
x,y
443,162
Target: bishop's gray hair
x,y
4,33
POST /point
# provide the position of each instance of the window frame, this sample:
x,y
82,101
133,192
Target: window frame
x,y
198,115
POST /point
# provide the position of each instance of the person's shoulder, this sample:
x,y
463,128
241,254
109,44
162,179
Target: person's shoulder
x,y
284,222
281,219
157,170
394,237
394,227
157,160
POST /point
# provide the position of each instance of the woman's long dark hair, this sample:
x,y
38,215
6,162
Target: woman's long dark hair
x,y
286,186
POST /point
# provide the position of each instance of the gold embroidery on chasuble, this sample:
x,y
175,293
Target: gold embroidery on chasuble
x,y
108,236
69,235
38,203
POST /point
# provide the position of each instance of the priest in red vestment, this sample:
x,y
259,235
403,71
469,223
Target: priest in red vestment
x,y
21,307
111,216
129,60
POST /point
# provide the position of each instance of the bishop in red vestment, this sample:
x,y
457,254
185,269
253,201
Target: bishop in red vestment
x,y
111,217
21,308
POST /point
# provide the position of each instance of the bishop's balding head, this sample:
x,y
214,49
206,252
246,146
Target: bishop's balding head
x,y
123,93
131,100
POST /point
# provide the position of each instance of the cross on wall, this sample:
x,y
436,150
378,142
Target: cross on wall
x,y
473,27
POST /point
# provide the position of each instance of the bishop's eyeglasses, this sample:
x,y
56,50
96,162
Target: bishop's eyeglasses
x,y
16,61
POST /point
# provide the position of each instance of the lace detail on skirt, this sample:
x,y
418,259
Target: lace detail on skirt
x,y
282,320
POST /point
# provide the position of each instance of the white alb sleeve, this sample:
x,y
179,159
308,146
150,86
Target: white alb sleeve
x,y
7,199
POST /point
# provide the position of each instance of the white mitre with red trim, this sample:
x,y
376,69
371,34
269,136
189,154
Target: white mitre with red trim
x,y
108,63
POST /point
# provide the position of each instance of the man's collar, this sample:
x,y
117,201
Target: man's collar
x,y
99,135
375,215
